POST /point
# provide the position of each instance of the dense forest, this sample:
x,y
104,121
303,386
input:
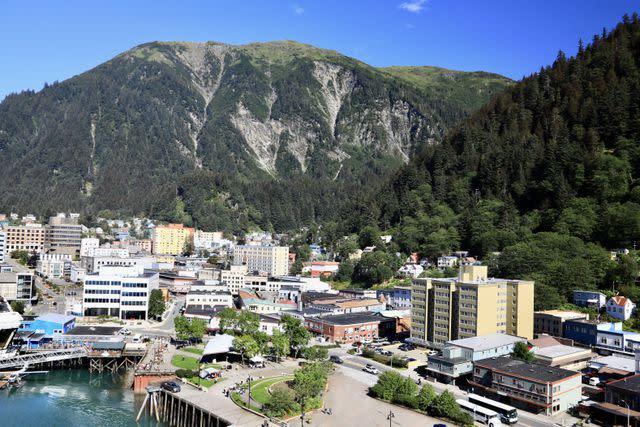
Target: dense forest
x,y
270,135
541,182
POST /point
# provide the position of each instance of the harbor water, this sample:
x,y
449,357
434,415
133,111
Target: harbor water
x,y
70,398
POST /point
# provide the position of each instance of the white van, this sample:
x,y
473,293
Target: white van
x,y
136,338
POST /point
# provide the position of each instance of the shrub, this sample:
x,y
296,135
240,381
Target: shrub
x,y
388,384
185,373
280,403
407,400
425,397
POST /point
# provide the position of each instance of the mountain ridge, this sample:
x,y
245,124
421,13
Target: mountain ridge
x,y
161,111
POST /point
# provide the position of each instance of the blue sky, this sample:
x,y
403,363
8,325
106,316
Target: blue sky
x,y
54,40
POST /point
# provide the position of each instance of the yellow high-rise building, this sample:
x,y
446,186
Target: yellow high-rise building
x,y
171,239
470,305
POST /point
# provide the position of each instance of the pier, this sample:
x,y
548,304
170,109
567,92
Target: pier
x,y
112,356
176,411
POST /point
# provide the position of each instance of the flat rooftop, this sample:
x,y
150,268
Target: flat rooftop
x,y
615,362
95,330
564,314
350,319
531,371
486,342
208,292
631,384
560,350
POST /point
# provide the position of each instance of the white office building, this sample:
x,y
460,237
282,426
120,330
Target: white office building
x,y
204,298
94,264
207,239
119,295
88,245
269,260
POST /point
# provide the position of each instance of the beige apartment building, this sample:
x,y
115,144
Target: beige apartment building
x,y
28,238
270,260
470,305
234,278
171,239
63,235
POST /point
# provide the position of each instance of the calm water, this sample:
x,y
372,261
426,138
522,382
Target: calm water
x,y
69,398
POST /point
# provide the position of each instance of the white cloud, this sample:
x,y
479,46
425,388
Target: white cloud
x,y
409,26
298,10
413,6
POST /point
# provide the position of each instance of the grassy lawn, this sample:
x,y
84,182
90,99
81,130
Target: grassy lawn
x,y
191,363
237,397
194,350
260,389
205,383
260,394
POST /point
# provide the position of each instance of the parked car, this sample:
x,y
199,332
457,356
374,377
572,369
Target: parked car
x,y
171,386
407,347
336,359
124,331
432,353
371,369
411,359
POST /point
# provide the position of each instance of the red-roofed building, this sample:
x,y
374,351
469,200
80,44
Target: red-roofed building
x,y
323,268
620,307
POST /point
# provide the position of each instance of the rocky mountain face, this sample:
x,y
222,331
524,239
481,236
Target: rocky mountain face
x,y
280,117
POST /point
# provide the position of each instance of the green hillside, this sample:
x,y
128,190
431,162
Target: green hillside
x,y
547,174
276,135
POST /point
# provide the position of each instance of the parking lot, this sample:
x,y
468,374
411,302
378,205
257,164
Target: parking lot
x,y
419,354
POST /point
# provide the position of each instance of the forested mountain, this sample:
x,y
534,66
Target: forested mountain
x,y
272,134
545,167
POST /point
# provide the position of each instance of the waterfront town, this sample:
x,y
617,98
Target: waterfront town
x,y
320,214
221,330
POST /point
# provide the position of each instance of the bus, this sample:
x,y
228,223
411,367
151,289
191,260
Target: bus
x,y
480,414
508,414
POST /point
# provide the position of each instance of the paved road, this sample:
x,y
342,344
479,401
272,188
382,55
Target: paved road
x,y
351,406
356,363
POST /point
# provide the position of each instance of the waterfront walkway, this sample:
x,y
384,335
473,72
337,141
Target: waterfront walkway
x,y
215,401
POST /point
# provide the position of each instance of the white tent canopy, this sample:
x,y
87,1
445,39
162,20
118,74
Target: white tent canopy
x,y
257,359
218,344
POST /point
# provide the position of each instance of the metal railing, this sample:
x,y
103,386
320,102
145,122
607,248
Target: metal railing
x,y
42,357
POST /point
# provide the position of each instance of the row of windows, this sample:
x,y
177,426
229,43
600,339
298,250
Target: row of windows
x,y
134,285
102,291
134,294
101,300
134,303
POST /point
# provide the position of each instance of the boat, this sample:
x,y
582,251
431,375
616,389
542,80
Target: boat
x,y
9,323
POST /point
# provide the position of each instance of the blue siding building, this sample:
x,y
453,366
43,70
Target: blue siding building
x,y
590,299
50,324
586,331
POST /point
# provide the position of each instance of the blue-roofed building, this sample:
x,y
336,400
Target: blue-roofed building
x,y
50,324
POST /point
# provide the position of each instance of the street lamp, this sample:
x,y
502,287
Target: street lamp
x,y
390,417
249,392
628,411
